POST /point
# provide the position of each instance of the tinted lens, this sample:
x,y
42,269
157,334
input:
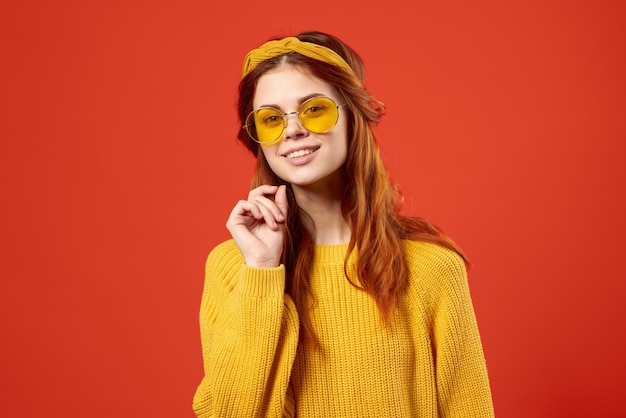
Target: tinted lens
x,y
319,114
265,124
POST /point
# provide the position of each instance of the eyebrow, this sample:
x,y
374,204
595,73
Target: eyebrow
x,y
300,100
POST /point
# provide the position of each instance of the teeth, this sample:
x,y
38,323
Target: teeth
x,y
299,153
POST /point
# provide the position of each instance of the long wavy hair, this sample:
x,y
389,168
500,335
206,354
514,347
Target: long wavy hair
x,y
371,202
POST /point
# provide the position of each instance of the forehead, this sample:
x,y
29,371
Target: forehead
x,y
287,85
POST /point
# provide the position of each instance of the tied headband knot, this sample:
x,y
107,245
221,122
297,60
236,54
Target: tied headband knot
x,y
290,44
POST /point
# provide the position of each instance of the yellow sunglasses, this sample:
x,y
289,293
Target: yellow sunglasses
x,y
267,124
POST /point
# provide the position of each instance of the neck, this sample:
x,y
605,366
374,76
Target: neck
x,y
326,221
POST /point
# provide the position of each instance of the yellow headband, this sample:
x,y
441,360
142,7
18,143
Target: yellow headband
x,y
284,46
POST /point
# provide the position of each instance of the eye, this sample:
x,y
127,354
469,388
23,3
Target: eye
x,y
272,120
268,117
314,110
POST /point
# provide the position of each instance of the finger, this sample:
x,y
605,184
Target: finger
x,y
262,190
270,205
245,209
281,200
269,211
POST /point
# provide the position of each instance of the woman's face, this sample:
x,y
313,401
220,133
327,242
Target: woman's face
x,y
302,158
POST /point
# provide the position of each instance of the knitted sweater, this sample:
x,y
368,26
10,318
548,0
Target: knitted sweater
x,y
427,361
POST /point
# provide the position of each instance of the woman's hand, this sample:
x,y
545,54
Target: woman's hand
x,y
254,225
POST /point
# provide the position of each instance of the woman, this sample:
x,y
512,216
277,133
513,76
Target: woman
x,y
327,302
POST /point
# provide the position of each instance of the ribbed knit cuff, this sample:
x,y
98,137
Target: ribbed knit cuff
x,y
263,282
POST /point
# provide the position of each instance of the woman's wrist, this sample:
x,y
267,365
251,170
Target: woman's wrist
x,y
261,264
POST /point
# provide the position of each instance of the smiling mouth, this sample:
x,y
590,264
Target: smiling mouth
x,y
300,153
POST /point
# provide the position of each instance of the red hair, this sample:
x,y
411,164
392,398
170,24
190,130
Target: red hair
x,y
371,203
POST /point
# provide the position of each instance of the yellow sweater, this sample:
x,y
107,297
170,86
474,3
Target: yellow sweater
x,y
426,362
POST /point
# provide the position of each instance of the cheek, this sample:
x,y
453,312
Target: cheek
x,y
268,151
342,146
344,153
271,156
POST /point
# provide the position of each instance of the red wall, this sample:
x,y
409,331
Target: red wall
x,y
505,126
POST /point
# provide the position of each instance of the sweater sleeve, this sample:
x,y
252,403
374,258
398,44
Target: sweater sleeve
x,y
249,333
461,372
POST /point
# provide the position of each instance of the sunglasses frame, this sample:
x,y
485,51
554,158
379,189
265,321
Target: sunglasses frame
x,y
284,116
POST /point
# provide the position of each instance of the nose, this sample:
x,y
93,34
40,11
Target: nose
x,y
293,127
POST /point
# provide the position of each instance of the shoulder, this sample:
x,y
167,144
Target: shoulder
x,y
224,261
432,257
224,251
433,267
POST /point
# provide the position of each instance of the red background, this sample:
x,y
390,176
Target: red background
x,y
119,166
